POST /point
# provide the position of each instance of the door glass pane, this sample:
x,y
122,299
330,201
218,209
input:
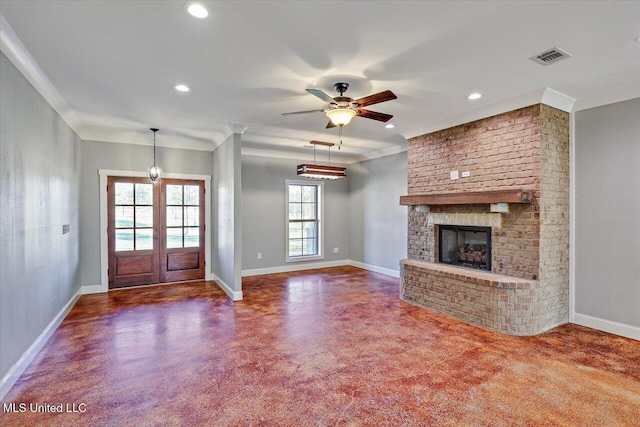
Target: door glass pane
x,y
174,216
133,209
191,237
124,240
174,194
191,195
192,216
144,194
144,239
174,237
124,193
124,216
144,216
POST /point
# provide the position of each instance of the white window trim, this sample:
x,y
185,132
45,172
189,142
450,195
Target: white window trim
x,y
320,255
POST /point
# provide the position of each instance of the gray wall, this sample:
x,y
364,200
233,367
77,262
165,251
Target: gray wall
x,y
39,178
227,213
127,157
263,213
378,224
607,226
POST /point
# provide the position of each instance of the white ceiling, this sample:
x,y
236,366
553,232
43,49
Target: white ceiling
x,y
110,66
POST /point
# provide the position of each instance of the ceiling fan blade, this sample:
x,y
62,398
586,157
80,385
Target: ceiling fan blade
x,y
376,98
302,112
330,125
320,94
368,114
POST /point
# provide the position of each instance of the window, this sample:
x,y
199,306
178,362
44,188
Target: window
x,y
304,220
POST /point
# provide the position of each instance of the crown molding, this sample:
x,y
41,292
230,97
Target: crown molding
x,y
546,96
227,130
18,54
558,100
608,98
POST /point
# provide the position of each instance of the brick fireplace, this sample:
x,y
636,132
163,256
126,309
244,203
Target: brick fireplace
x,y
518,187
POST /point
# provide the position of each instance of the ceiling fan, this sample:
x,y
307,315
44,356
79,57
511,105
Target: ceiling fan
x,y
342,109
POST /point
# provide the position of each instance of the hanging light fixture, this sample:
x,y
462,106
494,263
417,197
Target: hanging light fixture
x,y
154,171
316,171
341,116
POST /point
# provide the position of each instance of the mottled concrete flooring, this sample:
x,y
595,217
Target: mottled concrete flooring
x,y
322,347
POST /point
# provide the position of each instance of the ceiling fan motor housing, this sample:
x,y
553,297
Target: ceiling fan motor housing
x,y
341,87
342,101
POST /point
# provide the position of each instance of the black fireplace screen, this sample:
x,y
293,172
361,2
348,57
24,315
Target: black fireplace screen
x,y
465,246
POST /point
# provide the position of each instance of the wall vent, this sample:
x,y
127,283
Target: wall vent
x,y
551,56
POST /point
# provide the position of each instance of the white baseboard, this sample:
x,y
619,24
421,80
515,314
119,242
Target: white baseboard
x,y
27,357
95,289
375,268
612,327
313,265
294,267
234,295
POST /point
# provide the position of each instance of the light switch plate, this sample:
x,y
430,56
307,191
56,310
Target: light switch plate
x,y
454,175
466,174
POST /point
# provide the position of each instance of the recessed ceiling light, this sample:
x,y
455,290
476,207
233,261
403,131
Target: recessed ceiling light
x,y
474,95
389,125
638,39
197,10
182,88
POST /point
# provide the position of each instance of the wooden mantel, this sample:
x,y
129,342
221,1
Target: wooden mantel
x,y
470,197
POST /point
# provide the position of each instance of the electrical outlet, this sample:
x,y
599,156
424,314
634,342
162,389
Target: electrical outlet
x,y
454,175
336,250
259,255
466,174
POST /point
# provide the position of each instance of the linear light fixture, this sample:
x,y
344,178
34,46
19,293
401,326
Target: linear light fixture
x,y
316,171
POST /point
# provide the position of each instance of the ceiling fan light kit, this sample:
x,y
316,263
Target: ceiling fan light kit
x,y
341,116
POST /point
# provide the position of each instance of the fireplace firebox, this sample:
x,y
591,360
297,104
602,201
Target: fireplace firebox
x,y
465,246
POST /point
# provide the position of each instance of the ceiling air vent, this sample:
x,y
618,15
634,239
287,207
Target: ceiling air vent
x,y
550,56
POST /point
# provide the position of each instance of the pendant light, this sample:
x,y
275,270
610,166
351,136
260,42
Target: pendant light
x,y
154,171
316,171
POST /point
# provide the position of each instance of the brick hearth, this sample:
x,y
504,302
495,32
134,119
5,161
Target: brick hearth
x,y
526,148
